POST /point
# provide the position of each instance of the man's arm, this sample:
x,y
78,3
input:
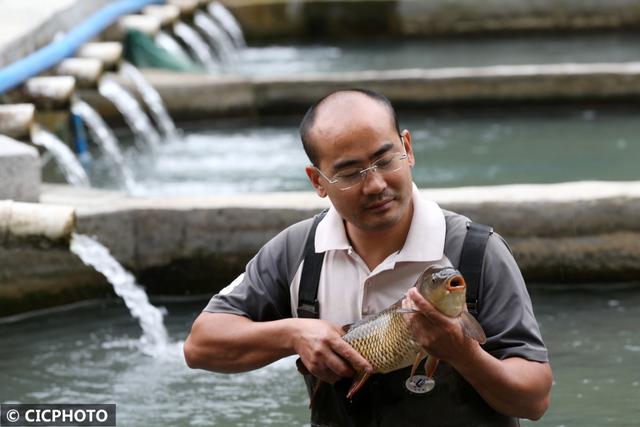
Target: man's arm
x,y
514,386
228,343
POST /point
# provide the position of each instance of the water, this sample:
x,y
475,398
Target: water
x,y
105,138
155,339
152,98
436,53
228,22
64,157
196,44
453,148
217,37
133,114
85,355
170,44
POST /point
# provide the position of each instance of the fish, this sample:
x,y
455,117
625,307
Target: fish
x,y
385,340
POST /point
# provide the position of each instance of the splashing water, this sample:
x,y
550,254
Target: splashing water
x,y
198,46
170,44
130,108
218,38
228,22
106,139
152,98
68,162
155,339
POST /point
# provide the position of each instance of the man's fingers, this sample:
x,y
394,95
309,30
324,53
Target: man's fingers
x,y
419,301
425,307
350,354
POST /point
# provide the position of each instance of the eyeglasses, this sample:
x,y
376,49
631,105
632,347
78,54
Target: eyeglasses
x,y
388,163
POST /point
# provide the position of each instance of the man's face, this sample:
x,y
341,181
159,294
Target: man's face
x,y
355,131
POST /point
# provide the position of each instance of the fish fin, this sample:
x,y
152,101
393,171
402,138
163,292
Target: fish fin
x,y
406,310
430,366
358,382
472,328
421,354
346,328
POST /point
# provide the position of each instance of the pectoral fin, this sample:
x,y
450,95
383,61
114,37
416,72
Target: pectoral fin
x,y
358,382
407,310
421,354
472,328
430,366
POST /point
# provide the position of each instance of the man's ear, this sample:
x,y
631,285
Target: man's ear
x,y
406,142
316,181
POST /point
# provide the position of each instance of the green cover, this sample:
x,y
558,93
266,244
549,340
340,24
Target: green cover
x,y
142,51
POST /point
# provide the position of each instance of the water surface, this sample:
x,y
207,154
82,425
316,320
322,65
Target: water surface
x,y
453,148
89,355
436,53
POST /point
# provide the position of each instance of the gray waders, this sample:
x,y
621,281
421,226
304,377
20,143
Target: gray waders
x,y
384,400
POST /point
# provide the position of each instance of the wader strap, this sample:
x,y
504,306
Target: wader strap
x,y
308,306
471,259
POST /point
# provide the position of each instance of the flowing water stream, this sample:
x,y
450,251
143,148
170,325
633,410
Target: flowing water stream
x,y
222,15
131,110
67,161
105,138
196,44
217,37
170,44
154,340
152,98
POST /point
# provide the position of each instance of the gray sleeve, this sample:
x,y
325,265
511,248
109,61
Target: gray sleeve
x,y
262,293
505,310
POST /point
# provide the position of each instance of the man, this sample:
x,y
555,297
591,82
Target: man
x,y
377,237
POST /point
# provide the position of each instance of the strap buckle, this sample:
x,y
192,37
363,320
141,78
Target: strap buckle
x,y
308,311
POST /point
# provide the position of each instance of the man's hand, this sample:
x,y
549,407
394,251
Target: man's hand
x,y
514,386
323,351
441,336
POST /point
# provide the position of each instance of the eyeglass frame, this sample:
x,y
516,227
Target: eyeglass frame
x,y
363,172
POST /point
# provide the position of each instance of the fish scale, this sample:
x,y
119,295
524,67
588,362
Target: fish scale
x,y
384,340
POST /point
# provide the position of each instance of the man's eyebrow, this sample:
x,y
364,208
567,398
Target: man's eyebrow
x,y
386,147
342,164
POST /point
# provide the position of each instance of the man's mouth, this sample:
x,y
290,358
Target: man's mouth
x,y
381,204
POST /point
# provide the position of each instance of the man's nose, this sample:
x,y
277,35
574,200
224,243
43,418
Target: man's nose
x,y
374,182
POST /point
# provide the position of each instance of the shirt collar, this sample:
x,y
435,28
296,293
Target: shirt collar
x,y
425,241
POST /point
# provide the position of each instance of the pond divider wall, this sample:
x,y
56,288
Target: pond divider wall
x,y
275,20
189,96
559,233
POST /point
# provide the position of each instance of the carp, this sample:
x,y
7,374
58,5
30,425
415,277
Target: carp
x,y
384,339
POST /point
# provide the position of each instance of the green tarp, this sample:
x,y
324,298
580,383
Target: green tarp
x,y
142,51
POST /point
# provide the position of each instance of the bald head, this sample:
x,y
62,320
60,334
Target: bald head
x,y
334,110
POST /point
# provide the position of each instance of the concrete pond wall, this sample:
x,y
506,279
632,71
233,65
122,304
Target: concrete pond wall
x,y
269,20
559,233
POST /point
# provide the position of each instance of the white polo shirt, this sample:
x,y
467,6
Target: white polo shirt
x,y
348,290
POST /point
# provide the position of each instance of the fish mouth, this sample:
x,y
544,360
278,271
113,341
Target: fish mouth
x,y
456,284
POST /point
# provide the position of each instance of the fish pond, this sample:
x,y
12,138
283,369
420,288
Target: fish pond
x,y
434,53
479,146
89,354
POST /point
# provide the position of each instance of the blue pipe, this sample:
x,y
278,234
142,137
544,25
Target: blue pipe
x,y
80,138
48,56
